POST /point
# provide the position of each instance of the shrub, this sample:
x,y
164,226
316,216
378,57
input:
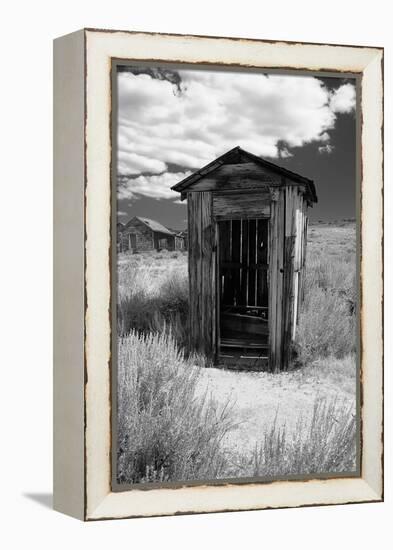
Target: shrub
x,y
161,307
325,327
327,320
165,431
326,444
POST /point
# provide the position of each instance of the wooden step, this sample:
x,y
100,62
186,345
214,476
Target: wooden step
x,y
243,343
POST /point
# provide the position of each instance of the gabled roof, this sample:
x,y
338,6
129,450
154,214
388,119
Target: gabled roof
x,y
153,225
238,152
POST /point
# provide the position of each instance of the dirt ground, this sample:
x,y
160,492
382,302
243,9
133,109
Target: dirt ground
x,y
257,397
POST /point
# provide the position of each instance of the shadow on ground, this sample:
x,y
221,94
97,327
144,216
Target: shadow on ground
x,y
44,499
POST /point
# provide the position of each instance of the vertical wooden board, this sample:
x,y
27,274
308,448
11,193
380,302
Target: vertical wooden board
x,y
191,267
272,283
304,271
280,221
302,249
198,299
289,200
215,282
289,243
297,263
288,298
288,211
244,260
236,244
252,261
194,228
277,229
207,288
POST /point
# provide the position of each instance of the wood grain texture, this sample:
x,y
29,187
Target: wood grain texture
x,y
212,219
276,253
207,285
241,205
201,259
288,303
236,176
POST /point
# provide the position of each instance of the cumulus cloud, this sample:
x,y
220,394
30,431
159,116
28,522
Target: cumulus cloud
x,y
267,115
156,186
343,100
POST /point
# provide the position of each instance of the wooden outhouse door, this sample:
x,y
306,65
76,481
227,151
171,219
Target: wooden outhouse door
x,y
243,284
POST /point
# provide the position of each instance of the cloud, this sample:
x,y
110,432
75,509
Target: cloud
x,y
130,163
284,153
326,148
157,186
267,115
343,100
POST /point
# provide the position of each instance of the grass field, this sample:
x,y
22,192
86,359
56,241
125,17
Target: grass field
x,y
179,421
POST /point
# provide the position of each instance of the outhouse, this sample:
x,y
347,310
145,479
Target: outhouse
x,y
247,230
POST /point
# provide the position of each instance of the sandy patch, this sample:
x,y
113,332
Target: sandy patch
x,y
258,397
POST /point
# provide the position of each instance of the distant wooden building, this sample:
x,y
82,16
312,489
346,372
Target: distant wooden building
x,y
143,234
247,230
182,238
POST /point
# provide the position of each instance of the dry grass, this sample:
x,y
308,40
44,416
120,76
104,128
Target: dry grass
x,y
327,321
153,294
165,431
172,429
325,443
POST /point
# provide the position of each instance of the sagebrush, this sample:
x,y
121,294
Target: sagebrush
x,y
165,431
324,443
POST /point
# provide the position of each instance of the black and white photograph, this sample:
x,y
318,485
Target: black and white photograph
x,y
236,261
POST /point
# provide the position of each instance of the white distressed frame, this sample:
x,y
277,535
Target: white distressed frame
x,y
99,48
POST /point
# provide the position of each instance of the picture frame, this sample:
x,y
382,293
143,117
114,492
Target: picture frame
x,y
83,248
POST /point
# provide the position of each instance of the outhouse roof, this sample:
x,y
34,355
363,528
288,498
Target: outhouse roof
x,y
242,155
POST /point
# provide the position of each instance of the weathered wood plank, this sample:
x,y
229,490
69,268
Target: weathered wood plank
x,y
241,205
215,282
191,268
207,289
288,299
201,259
193,259
237,176
304,271
280,266
276,251
297,265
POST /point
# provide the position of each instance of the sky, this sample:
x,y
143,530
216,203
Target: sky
x,y
173,122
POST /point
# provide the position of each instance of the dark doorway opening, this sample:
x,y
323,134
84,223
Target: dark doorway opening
x,y
132,242
243,288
